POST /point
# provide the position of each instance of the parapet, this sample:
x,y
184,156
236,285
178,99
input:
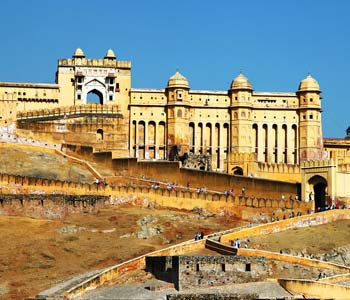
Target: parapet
x,y
87,62
318,163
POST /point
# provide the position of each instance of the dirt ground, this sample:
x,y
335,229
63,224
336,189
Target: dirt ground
x,y
35,163
310,241
37,254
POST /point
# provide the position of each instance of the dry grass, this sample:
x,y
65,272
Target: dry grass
x,y
36,254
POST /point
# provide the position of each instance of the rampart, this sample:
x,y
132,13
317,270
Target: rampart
x,y
160,170
241,207
49,206
316,288
296,222
237,206
70,112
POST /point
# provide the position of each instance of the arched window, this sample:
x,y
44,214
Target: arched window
x,y
99,135
179,113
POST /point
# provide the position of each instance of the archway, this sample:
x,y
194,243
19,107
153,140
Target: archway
x,y
237,171
94,96
99,135
318,187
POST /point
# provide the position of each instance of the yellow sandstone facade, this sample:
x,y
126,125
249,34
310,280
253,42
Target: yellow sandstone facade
x,y
240,131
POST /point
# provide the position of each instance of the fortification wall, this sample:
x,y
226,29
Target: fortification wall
x,y
296,222
316,289
49,206
249,208
170,172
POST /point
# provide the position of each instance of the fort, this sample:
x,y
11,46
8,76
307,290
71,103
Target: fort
x,y
266,148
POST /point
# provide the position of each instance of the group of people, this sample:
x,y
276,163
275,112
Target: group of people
x,y
100,182
229,192
155,186
171,187
202,189
291,215
237,244
199,236
283,197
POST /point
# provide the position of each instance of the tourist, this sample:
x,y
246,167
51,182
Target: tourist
x,y
310,196
155,186
283,197
202,235
238,241
243,191
197,236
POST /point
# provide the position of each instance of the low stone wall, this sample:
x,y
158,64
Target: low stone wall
x,y
293,259
134,264
296,222
207,271
214,296
185,272
49,206
316,289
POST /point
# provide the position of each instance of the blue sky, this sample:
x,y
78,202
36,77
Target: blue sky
x,y
275,43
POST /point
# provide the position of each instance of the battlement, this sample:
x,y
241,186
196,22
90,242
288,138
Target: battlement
x,y
242,157
70,111
278,168
93,62
318,163
344,168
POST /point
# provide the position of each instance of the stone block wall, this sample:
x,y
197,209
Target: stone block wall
x,y
49,206
187,272
212,297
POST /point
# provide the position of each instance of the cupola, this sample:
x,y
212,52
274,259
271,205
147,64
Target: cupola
x,y
79,53
241,83
309,84
178,81
110,54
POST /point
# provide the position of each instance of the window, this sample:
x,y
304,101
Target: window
x,y
311,117
79,97
110,97
223,268
111,80
247,267
197,267
311,99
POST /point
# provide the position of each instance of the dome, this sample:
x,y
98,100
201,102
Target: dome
x,y
241,82
79,53
309,84
178,80
110,54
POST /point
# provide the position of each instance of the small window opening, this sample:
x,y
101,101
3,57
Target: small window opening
x,y
223,267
